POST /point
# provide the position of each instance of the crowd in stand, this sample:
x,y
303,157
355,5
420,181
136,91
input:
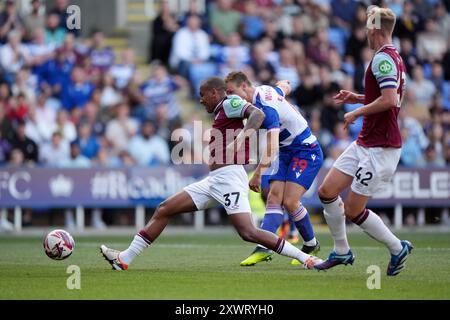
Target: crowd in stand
x,y
69,101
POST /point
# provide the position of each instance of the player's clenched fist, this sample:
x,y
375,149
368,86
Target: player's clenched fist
x,y
255,183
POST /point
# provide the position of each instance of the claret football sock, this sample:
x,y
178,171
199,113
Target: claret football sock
x,y
140,242
335,218
372,224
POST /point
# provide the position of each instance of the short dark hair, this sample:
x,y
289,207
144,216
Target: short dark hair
x,y
213,83
237,77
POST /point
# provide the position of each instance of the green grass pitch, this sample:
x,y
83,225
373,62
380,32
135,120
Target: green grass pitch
x,y
206,266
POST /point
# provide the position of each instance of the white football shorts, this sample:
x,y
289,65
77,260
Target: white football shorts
x,y
371,168
227,186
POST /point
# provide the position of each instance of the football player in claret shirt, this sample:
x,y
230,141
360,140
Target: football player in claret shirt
x,y
226,183
295,160
369,163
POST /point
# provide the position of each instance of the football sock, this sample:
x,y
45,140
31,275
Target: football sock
x,y
272,219
140,242
304,225
335,218
286,249
292,228
372,224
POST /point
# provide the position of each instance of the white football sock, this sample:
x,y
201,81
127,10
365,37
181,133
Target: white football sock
x,y
137,246
311,243
291,251
335,218
375,227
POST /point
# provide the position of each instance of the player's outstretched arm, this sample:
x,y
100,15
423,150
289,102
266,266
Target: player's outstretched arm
x,y
345,96
387,100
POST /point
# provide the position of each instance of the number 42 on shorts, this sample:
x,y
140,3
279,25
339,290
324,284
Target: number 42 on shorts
x,y
363,180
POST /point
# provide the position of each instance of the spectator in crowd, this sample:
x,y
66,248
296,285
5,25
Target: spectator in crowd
x,y
343,13
147,148
163,29
54,33
194,10
39,51
356,43
261,67
298,32
409,23
308,94
26,84
252,22
408,54
87,141
224,20
17,159
60,9
442,18
65,126
78,92
91,116
5,149
234,55
124,71
437,76
411,154
314,19
191,52
286,69
38,131
13,56
434,154
319,48
422,87
110,95
76,158
160,89
55,151
28,147
431,45
6,129
54,76
121,129
102,57
10,20
34,20
361,67
19,109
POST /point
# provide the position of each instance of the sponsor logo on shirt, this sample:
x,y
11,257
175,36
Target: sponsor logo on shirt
x,y
385,67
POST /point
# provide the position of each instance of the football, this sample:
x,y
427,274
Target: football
x,y
58,245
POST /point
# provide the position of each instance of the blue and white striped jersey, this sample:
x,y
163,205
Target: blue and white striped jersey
x,y
294,129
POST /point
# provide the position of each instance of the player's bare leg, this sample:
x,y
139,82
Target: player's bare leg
x,y
177,204
244,226
371,223
334,183
273,218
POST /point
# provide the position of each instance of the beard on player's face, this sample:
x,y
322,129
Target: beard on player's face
x,y
210,100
